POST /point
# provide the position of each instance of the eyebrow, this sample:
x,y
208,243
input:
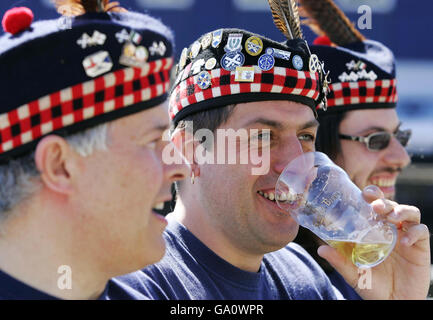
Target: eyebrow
x,y
157,128
374,128
278,125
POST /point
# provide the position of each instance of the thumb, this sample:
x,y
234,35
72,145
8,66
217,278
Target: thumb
x,y
371,193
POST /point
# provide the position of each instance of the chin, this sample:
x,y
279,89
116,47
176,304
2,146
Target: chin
x,y
154,252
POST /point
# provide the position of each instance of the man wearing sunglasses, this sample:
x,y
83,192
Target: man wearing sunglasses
x,y
360,131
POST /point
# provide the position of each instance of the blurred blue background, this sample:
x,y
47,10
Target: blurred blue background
x,y
403,25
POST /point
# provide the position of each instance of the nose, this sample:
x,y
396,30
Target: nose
x,y
396,155
285,153
175,168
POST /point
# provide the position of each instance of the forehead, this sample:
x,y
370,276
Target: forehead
x,y
141,123
360,120
286,113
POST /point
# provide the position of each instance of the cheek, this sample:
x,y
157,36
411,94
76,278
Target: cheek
x,y
147,172
358,163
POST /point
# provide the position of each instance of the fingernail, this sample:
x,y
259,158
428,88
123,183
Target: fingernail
x,y
370,189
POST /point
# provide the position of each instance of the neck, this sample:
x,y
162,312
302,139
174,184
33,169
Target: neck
x,y
197,221
39,248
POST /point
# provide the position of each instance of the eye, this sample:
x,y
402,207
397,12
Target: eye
x,y
153,144
263,137
307,137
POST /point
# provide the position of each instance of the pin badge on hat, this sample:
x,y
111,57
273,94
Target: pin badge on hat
x,y
232,59
124,36
97,63
186,71
244,74
210,63
97,38
206,41
196,66
133,56
157,48
234,42
216,38
314,63
297,62
254,46
183,57
266,62
281,54
135,37
195,49
203,80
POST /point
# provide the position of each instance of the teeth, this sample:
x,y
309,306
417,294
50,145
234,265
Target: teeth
x,y
291,196
270,195
159,206
384,182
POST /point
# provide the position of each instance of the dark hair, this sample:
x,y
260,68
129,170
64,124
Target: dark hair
x,y
327,140
210,119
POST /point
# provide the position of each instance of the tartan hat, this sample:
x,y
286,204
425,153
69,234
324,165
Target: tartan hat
x,y
362,76
229,66
66,75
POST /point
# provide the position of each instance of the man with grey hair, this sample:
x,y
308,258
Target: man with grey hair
x,y
81,122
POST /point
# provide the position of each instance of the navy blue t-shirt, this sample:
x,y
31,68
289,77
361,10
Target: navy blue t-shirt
x,y
13,289
345,289
190,270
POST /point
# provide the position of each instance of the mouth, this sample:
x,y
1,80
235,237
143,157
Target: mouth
x,y
386,184
282,197
158,208
285,202
288,198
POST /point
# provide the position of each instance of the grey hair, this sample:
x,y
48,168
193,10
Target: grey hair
x,y
20,178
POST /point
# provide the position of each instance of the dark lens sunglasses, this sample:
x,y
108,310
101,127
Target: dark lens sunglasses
x,y
380,140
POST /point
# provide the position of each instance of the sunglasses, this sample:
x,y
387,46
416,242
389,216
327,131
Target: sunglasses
x,y
380,140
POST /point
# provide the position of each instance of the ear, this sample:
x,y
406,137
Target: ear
x,y
183,141
53,158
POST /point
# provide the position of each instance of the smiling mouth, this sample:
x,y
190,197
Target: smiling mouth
x,y
283,197
159,208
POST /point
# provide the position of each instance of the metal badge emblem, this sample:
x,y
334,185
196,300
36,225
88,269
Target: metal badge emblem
x,y
210,63
314,63
266,62
234,42
183,57
133,56
216,38
244,74
196,66
206,41
195,49
203,80
231,60
254,46
97,38
297,62
97,63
